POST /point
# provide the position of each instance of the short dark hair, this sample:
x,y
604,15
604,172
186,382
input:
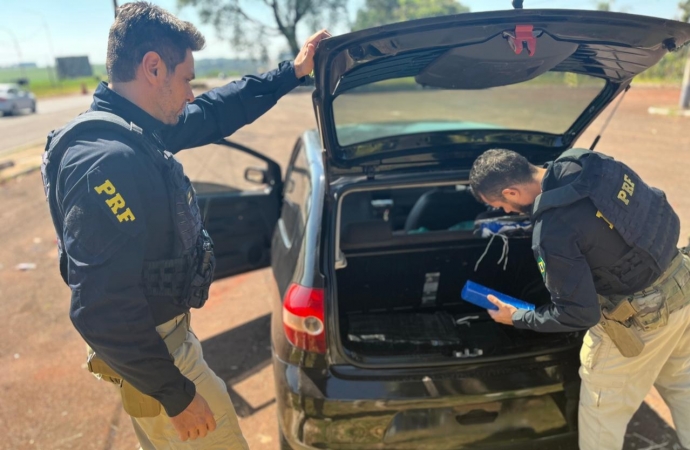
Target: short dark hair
x,y
496,170
141,27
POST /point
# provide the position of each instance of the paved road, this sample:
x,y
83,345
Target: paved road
x,y
29,129
48,402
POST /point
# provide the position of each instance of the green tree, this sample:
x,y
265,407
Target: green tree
x,y
604,6
381,12
685,10
247,31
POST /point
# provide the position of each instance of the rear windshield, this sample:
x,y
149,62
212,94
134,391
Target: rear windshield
x,y
549,103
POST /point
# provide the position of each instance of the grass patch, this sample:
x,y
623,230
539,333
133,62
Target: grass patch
x,y
214,73
42,89
43,81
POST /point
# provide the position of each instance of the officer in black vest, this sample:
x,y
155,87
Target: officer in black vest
x,y
605,243
132,246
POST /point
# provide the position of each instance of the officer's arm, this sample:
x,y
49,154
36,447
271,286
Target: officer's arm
x,y
104,237
568,278
222,111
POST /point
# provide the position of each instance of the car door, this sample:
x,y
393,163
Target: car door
x,y
13,97
25,99
239,219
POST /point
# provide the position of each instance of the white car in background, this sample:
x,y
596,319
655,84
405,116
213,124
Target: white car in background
x,y
14,99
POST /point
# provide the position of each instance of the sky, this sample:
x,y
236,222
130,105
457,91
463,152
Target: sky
x,y
39,30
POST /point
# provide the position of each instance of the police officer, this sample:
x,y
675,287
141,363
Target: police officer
x,y
605,243
132,246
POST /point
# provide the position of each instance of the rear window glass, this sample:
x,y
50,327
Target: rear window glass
x,y
549,103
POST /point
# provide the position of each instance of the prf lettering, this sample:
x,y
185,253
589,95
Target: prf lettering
x,y
626,190
116,202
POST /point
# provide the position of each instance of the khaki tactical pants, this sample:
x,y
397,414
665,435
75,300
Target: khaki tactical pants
x,y
613,386
158,432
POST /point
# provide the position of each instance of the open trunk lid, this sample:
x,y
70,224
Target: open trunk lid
x,y
421,72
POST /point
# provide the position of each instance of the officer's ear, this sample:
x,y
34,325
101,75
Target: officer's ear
x,y
510,193
153,68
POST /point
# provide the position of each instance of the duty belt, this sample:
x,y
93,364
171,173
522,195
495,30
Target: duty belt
x,y
649,309
172,340
136,403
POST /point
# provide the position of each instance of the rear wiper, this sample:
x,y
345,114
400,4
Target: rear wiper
x,y
608,120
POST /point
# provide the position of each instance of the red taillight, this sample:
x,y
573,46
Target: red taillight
x,y
2,99
303,318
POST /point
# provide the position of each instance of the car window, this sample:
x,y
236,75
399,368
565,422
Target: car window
x,y
216,169
549,103
297,194
12,91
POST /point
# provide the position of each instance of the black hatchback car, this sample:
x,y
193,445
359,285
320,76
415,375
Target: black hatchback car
x,y
373,232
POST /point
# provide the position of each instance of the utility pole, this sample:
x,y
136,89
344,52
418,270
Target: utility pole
x,y
51,75
115,7
19,51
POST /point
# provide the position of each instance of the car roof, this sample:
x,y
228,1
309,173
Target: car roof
x,y
7,86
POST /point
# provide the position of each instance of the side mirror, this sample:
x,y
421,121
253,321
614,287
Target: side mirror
x,y
256,175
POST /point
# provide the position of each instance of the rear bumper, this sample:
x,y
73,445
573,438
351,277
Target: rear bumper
x,y
529,409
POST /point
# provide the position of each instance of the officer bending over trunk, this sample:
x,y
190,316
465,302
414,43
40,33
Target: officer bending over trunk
x,y
132,245
605,243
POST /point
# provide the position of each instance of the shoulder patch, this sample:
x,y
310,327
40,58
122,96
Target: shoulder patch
x,y
542,266
117,195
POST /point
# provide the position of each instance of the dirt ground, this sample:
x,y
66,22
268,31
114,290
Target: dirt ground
x,y
48,400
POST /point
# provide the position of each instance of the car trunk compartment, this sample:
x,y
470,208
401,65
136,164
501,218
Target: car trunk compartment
x,y
405,305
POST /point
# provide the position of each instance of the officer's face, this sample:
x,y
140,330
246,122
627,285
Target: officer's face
x,y
176,91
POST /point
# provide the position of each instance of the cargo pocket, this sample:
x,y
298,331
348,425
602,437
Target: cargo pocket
x,y
601,390
598,388
592,346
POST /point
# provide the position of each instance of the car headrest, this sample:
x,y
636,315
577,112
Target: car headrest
x,y
441,208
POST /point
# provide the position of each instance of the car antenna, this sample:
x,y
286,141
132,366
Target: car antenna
x,y
517,4
608,120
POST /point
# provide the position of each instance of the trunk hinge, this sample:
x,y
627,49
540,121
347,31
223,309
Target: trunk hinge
x,y
370,172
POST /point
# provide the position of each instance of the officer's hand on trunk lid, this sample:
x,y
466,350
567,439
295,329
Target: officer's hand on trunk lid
x,y
505,312
304,61
195,421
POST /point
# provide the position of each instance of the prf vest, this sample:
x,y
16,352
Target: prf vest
x,y
186,277
638,212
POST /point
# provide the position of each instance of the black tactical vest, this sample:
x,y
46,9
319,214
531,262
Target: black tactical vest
x,y
186,277
640,213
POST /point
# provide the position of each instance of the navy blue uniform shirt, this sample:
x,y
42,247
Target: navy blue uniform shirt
x,y
573,243
115,206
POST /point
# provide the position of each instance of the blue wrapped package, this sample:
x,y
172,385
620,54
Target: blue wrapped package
x,y
476,294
